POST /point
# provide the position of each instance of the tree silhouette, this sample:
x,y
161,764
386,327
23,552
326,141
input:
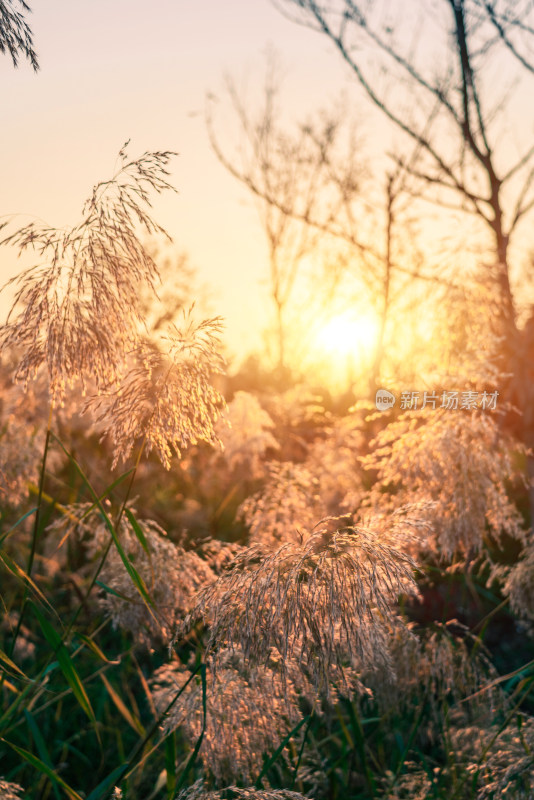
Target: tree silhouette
x,y
435,73
451,116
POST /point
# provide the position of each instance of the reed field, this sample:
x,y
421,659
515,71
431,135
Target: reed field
x,y
213,592
308,575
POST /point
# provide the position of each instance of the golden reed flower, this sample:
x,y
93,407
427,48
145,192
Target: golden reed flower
x,y
249,711
10,791
77,310
165,400
198,792
327,600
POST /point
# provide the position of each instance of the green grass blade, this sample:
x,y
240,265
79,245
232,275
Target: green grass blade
x,y
137,530
17,523
65,663
170,763
137,580
301,751
129,767
193,757
44,769
41,745
114,592
360,746
105,786
131,570
279,750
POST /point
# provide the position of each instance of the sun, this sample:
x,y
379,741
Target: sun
x,y
348,335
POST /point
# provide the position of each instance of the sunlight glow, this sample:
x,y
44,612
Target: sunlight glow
x,y
348,335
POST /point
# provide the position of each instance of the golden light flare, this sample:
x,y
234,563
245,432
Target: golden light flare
x,y
347,335
344,348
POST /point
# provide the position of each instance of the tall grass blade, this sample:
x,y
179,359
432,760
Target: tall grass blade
x,y
132,720
44,769
17,523
132,572
170,763
65,662
360,746
104,787
279,750
41,745
137,530
193,757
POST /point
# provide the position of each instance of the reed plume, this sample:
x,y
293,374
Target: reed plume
x,y
166,399
457,465
199,792
249,711
326,600
76,311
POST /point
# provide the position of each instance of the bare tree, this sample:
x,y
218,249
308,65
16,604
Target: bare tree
x,y
304,189
15,35
440,73
443,102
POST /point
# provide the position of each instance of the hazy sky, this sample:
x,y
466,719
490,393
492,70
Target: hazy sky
x,y
113,70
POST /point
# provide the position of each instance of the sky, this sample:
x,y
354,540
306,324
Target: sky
x,y
117,70
113,70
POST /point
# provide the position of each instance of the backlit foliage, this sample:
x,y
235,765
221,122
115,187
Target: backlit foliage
x,y
248,712
305,659
458,462
165,399
326,600
245,432
77,309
